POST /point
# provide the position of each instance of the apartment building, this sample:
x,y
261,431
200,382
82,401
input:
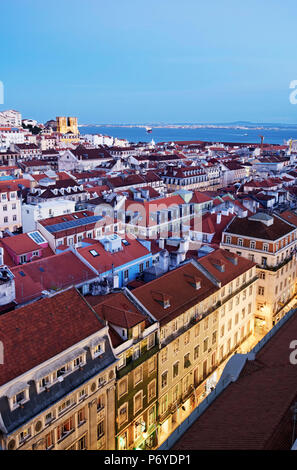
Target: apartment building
x,y
156,217
270,242
50,190
194,341
60,392
188,177
10,207
10,118
133,332
71,229
31,213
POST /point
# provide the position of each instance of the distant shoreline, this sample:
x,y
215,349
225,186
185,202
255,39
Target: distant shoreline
x,y
199,126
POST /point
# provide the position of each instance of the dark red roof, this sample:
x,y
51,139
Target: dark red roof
x,y
33,334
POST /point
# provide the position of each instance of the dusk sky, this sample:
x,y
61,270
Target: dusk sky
x,y
136,61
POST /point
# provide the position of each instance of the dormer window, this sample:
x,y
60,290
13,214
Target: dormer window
x,y
98,350
136,353
19,398
78,361
44,382
62,371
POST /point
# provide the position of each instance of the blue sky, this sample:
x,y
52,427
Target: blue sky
x,y
136,61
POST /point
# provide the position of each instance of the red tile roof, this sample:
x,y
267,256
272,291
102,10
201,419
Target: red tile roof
x,y
42,330
225,258
152,293
54,273
21,244
106,259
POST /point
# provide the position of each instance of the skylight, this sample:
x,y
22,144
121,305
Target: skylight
x,y
94,253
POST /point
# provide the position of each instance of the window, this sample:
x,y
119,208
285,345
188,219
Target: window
x,y
123,414
229,324
265,247
123,387
100,430
240,242
19,398
187,338
136,353
151,416
126,274
197,329
164,379
264,261
100,402
151,389
151,365
122,361
25,434
5,208
64,429
5,219
138,402
82,394
260,290
138,375
49,440
187,362
253,245
82,443
141,268
48,418
196,352
175,369
78,361
228,240
164,355
63,370
151,341
262,275
176,346
65,405
81,416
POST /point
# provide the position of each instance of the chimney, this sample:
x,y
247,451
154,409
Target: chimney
x,y
219,218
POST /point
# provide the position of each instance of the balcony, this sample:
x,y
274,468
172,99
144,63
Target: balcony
x,y
276,267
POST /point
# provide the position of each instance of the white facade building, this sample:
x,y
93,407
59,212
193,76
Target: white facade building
x,y
10,118
31,213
